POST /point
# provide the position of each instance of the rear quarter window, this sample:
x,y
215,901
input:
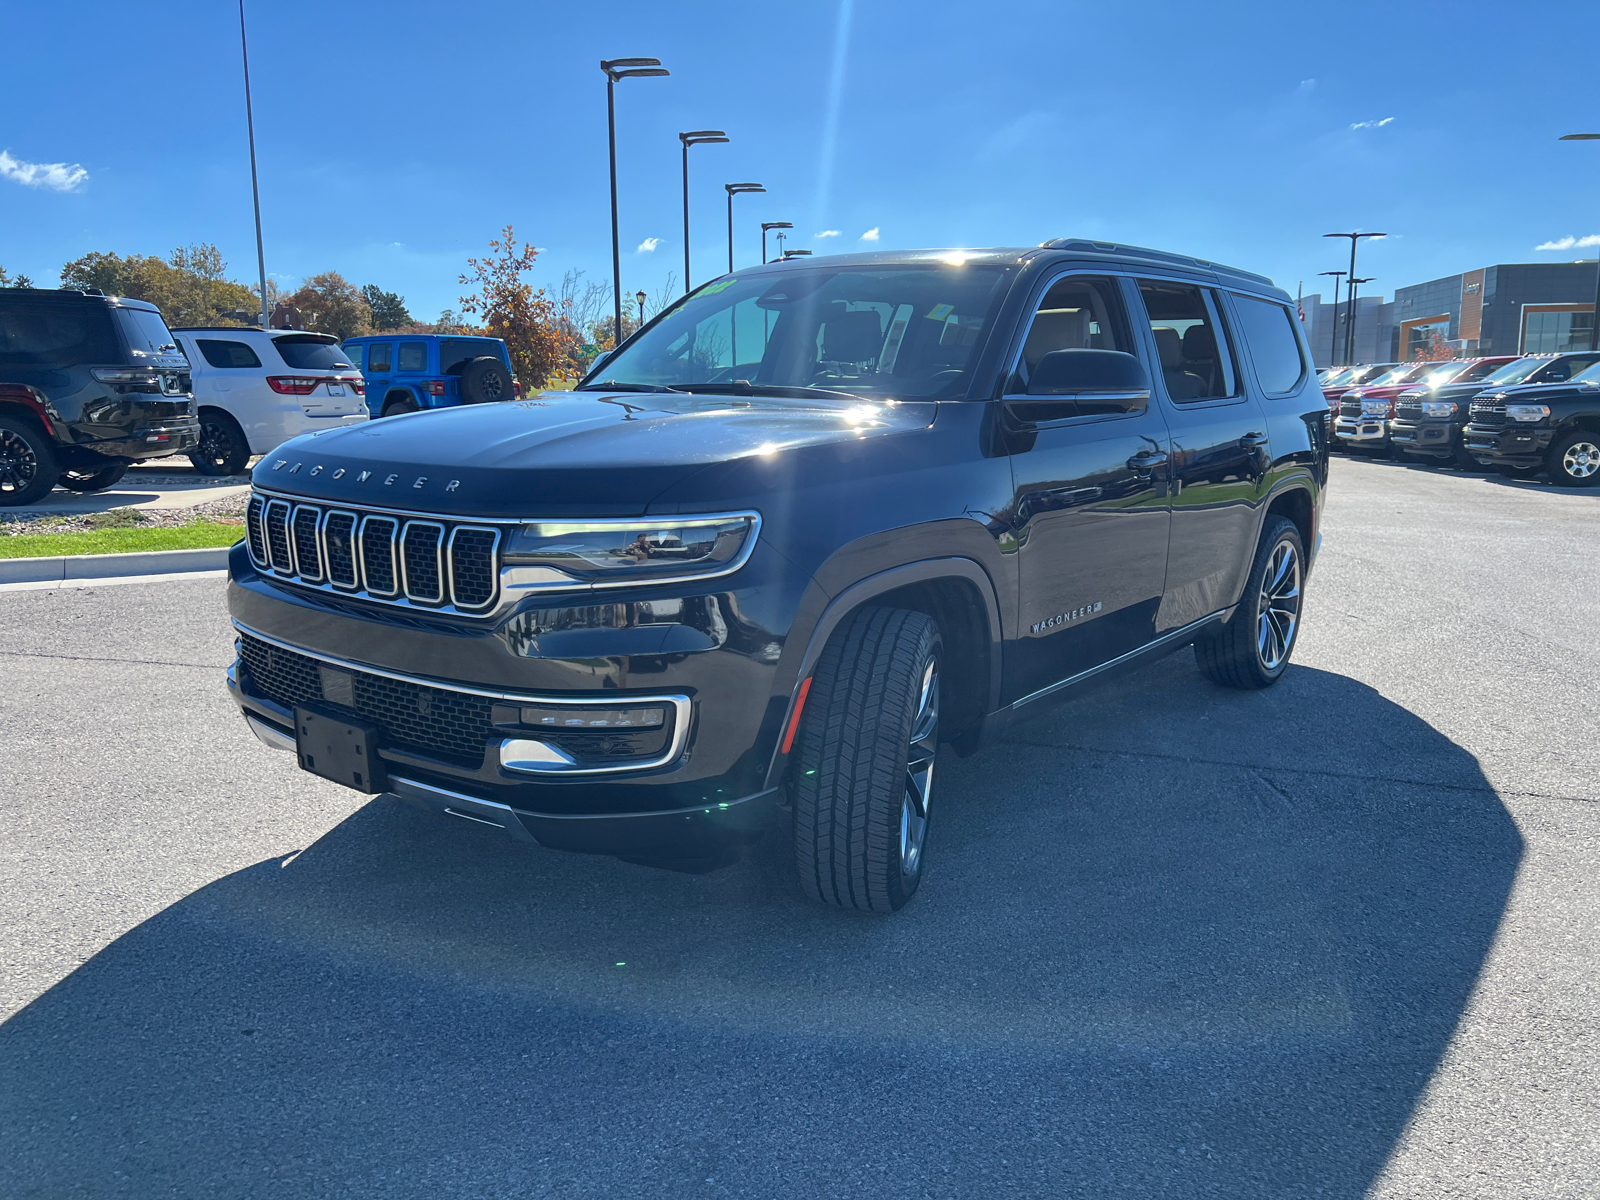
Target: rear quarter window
x,y
227,353
62,335
454,352
311,353
1274,345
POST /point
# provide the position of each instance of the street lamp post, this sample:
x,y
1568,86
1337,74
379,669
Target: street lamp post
x,y
1350,328
778,225
1349,332
615,69
736,189
696,137
640,297
1594,324
255,188
1333,341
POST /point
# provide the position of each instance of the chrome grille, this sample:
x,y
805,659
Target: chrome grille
x,y
439,564
1489,412
1408,410
1349,408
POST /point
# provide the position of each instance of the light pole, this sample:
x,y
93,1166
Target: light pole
x,y
778,225
1594,325
640,297
615,69
696,137
255,188
1350,329
735,189
1333,342
1349,342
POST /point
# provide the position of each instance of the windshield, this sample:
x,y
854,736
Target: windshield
x,y
893,331
1370,375
147,334
1392,375
308,352
1516,372
1340,376
1442,375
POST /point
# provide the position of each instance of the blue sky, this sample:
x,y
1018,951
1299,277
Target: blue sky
x,y
395,139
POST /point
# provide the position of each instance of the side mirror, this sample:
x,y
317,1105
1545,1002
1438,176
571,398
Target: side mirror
x,y
1064,372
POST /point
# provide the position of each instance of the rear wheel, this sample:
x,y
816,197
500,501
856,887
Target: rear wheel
x,y
76,480
398,405
27,463
223,449
864,768
1252,650
1575,460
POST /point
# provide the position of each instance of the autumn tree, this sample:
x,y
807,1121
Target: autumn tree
x,y
528,320
330,303
190,287
1435,350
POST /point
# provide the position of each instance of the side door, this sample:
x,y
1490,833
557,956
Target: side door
x,y
1089,504
1220,449
235,381
411,370
380,374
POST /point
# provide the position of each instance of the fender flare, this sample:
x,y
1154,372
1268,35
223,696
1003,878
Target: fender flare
x,y
22,397
859,593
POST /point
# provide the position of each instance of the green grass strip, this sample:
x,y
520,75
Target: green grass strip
x,y
120,541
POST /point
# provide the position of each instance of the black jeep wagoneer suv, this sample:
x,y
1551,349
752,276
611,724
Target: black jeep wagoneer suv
x,y
804,526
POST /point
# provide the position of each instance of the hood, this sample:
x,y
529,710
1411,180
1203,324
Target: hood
x,y
561,453
1450,391
1528,392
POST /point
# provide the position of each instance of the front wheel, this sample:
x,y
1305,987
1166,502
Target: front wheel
x,y
1575,460
75,480
1252,650
864,768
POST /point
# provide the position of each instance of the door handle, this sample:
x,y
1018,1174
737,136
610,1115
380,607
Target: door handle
x,y
1146,461
1253,441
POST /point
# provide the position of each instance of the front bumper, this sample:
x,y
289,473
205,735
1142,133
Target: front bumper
x,y
1362,431
1433,438
1507,445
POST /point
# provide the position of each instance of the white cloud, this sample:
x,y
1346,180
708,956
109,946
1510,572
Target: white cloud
x,y
828,233
1371,124
62,177
1568,242
1306,85
870,235
649,244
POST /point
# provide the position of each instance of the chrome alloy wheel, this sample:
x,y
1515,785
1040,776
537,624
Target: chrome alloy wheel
x,y
1279,611
1581,460
919,771
18,463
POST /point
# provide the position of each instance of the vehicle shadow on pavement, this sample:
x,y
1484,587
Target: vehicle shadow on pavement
x,y
1175,941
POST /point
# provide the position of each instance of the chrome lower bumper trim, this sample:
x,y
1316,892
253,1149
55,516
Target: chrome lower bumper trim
x,y
270,735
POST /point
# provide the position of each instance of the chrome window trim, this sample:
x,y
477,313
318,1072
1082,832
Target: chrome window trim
x,y
394,569
438,551
682,706
266,535
355,551
316,537
494,558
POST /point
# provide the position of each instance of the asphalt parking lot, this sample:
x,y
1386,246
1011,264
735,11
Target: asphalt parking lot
x,y
1338,939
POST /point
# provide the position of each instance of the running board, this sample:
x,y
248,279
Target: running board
x,y
1167,641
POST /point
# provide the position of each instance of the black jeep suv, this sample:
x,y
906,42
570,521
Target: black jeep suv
x,y
88,384
1553,424
804,526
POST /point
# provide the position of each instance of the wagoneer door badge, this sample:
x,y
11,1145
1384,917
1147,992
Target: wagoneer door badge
x,y
1062,618
388,480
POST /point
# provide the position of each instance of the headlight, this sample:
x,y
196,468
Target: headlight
x,y
559,555
1438,408
1528,413
1375,408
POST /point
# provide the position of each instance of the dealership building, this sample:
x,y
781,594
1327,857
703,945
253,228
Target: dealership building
x,y
1509,308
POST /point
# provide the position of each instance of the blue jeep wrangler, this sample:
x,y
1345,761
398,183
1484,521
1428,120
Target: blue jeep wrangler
x,y
410,372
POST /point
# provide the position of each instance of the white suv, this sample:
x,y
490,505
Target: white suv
x,y
256,388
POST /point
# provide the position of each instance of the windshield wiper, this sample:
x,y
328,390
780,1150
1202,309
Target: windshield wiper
x,y
611,385
743,387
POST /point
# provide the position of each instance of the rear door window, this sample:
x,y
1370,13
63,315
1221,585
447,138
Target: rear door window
x,y
413,356
60,335
453,352
307,352
227,354
380,357
1269,331
1193,349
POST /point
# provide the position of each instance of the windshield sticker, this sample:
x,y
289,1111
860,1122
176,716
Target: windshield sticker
x,y
712,289
941,312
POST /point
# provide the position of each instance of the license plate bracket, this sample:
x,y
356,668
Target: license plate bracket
x,y
341,748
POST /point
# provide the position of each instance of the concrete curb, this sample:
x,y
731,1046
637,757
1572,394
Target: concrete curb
x,y
67,567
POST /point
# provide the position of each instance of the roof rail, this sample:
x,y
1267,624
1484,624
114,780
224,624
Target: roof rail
x,y
1160,256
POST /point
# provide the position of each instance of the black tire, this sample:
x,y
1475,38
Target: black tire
x,y
863,771
27,463
76,480
485,381
1575,459
1252,650
399,405
1462,459
223,448
1518,472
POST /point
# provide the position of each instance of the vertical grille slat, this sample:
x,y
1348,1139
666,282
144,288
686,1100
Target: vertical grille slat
x,y
307,548
377,555
420,543
421,562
